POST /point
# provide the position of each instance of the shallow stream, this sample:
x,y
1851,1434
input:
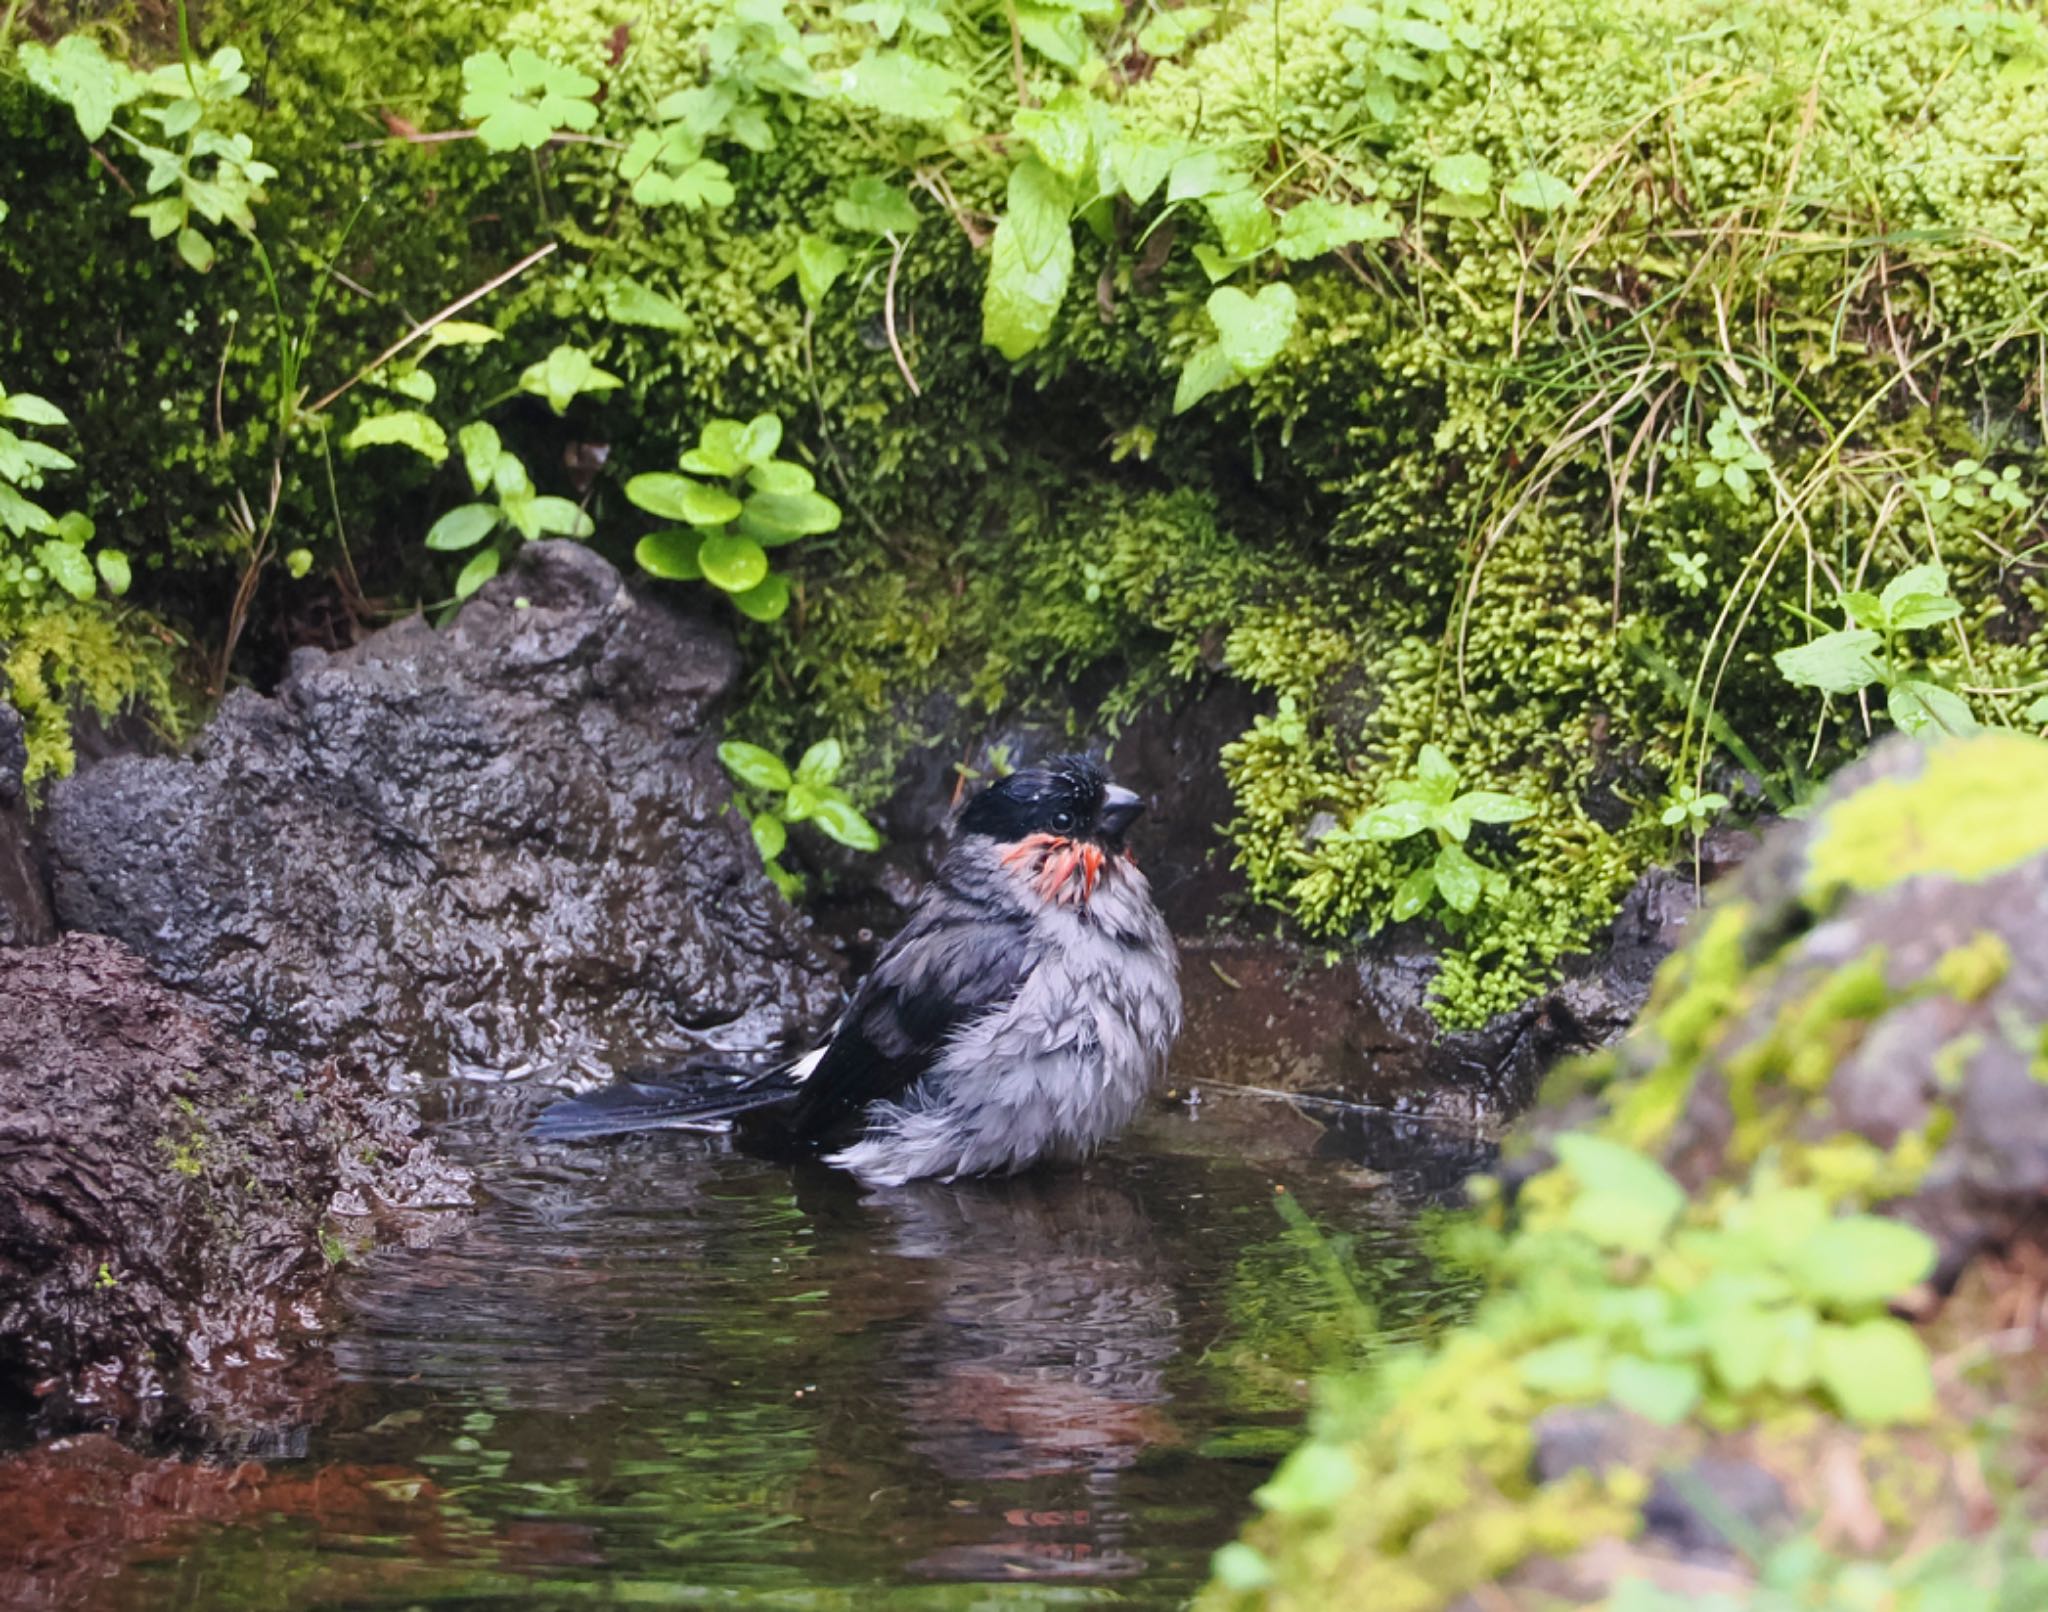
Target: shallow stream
x,y
662,1374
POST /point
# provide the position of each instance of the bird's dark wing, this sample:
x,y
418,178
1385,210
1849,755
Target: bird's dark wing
x,y
954,961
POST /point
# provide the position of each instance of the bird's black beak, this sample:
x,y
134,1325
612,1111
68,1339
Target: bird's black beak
x,y
1120,809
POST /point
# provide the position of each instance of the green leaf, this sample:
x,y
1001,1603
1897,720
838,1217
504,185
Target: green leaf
x,y
1141,163
732,562
819,261
68,568
1485,806
1056,34
1314,228
837,818
2037,712
1395,820
459,333
1030,262
772,518
771,836
1571,1368
1460,879
79,73
780,476
628,302
1200,174
753,766
463,527
1434,772
759,438
1740,1343
523,99
1413,894
565,375
1835,663
1919,581
1243,223
481,451
767,600
720,450
1311,1480
1062,133
114,570
678,498
1208,369
1538,191
1465,174
1877,1372
298,562
1865,609
671,556
1626,1201
481,568
1168,32
195,249
898,84
1916,706
1861,1260
802,802
407,428
1253,330
29,409
874,206
557,517
1663,1391
821,763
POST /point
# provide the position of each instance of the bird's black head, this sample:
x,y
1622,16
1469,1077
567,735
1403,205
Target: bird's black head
x,y
1069,796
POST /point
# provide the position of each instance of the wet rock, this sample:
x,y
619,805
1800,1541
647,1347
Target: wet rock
x,y
25,918
164,1193
500,845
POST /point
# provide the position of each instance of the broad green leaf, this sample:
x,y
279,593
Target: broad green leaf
x,y
1913,611
771,837
774,518
114,570
463,527
899,84
481,568
1741,1340
407,428
1465,174
2037,712
1538,191
821,763
1062,134
459,333
1835,663
874,206
628,302
1056,34
1311,1480
1200,174
79,73
1168,32
802,802
408,380
819,261
1313,228
1664,1391
481,450
678,498
565,375
1243,223
21,515
759,438
1030,262
1395,820
29,409
1865,609
1486,806
1625,1201
781,476
1436,775
558,517
1252,330
1861,1260
1140,163
766,600
720,450
1460,880
671,556
195,249
837,818
1877,1371
1207,370
751,765
1571,1368
1927,581
1917,707
68,567
732,562
1413,894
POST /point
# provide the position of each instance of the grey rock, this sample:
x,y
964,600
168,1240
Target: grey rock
x,y
504,845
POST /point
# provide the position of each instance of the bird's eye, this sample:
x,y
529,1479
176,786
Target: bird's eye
x,y
1063,821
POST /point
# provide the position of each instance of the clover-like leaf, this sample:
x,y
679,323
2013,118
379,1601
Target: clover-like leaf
x,y
873,205
523,99
564,375
1253,329
900,84
1312,228
84,77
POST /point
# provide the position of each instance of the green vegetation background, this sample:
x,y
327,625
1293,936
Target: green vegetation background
x,y
1513,379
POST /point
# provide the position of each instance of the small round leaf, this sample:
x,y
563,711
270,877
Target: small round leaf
x,y
732,563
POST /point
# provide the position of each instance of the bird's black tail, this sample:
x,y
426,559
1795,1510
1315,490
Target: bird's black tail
x,y
695,1101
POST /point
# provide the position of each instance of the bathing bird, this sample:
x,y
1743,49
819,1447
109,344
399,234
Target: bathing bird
x,y
1018,1018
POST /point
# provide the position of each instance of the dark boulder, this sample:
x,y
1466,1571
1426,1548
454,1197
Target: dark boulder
x,y
506,844
171,1203
24,902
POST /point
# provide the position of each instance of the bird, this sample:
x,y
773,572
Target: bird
x,y
1019,1017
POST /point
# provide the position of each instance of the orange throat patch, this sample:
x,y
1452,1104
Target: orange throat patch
x,y
1060,870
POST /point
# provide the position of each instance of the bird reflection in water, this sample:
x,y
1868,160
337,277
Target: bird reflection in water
x,y
1037,1358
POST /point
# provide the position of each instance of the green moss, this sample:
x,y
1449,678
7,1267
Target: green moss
x,y
1972,810
1970,971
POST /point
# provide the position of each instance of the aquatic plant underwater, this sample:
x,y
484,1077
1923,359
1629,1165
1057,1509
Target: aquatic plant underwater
x,y
1578,424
